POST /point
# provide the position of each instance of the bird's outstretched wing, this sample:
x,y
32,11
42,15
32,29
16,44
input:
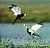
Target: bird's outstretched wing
x,y
15,9
36,27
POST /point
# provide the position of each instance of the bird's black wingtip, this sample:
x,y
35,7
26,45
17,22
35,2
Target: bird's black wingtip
x,y
13,5
10,8
40,23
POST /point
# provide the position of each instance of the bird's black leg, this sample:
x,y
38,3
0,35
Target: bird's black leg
x,y
15,20
37,35
19,18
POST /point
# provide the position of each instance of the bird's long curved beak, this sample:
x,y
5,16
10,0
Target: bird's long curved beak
x,y
25,26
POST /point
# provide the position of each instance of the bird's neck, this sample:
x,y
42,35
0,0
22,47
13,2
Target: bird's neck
x,y
28,32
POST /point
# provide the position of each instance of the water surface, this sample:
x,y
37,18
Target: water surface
x,y
17,34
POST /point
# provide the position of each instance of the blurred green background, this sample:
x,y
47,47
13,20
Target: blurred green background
x,y
36,10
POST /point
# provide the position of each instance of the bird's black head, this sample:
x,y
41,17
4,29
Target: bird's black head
x,y
40,23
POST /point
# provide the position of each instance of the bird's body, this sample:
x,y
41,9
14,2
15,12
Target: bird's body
x,y
34,28
17,12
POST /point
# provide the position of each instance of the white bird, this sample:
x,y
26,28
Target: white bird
x,y
34,28
17,12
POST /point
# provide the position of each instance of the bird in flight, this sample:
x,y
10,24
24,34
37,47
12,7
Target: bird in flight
x,y
34,28
17,12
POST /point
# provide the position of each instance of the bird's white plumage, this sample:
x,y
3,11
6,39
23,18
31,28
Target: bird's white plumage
x,y
36,27
24,24
31,31
16,10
